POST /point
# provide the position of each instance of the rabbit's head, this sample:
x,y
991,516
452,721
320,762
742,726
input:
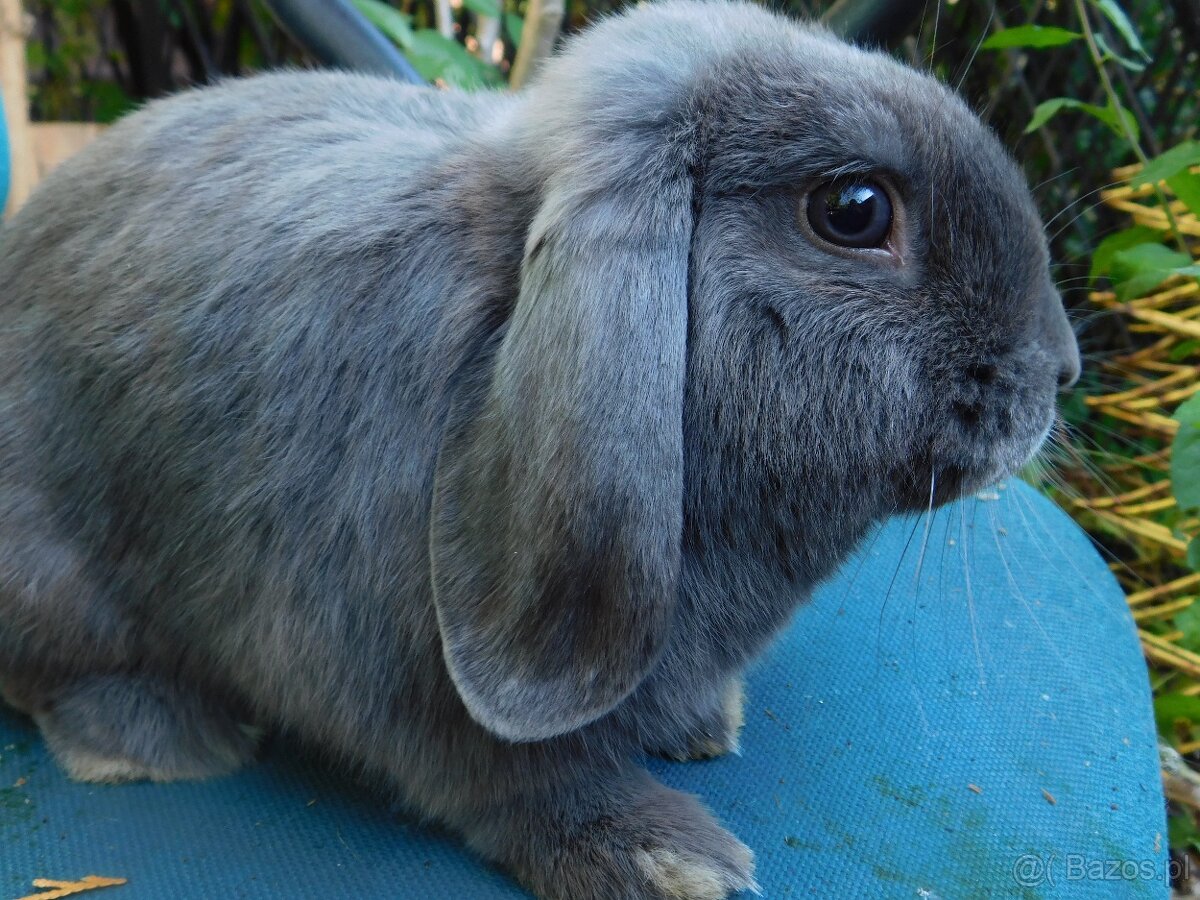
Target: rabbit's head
x,y
771,278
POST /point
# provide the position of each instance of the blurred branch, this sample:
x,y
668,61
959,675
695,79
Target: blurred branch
x,y
1180,783
543,19
1115,100
335,33
194,44
15,106
261,36
143,34
444,15
487,32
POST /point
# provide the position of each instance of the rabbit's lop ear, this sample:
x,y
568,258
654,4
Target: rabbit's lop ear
x,y
557,516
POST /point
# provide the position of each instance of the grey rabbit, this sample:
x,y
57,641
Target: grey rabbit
x,y
482,440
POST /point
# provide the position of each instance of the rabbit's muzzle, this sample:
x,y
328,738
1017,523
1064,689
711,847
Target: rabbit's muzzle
x,y
991,406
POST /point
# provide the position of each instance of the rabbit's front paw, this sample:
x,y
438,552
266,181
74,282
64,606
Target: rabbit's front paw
x,y
653,843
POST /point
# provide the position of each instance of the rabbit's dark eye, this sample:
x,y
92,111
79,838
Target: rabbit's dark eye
x,y
851,213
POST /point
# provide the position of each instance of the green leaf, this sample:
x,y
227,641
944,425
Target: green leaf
x,y
1171,708
515,26
1115,112
1032,36
1121,22
1188,623
1186,186
1182,832
1185,456
393,23
1178,159
1192,270
1121,240
1193,553
1142,268
1108,53
1146,257
1183,350
35,54
438,57
1046,111
109,102
1110,115
489,8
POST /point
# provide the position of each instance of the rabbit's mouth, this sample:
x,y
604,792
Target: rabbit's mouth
x,y
938,485
951,467
928,485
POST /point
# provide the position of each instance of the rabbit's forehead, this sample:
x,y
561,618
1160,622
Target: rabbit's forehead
x,y
771,121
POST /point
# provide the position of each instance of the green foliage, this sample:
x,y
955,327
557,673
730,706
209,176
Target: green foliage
x,y
515,26
439,58
393,23
1136,263
1185,459
1121,22
1140,269
1182,832
1188,623
95,60
1186,187
1170,709
1175,161
1110,115
490,8
1184,350
61,87
436,57
1033,37
1102,257
1108,54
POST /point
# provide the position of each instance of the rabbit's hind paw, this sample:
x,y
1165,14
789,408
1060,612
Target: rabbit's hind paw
x,y
117,728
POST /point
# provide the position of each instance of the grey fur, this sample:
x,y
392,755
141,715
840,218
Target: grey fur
x,y
482,440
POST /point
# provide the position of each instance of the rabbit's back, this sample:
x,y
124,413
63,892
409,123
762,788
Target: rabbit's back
x,y
226,331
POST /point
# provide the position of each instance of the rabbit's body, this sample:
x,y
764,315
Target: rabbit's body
x,y
392,417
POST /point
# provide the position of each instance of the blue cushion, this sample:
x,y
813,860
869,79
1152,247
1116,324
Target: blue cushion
x,y
982,730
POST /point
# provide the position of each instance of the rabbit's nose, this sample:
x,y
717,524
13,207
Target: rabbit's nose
x,y
1068,369
1068,375
1059,338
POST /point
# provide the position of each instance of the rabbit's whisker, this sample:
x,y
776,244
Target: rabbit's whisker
x,y
891,584
1053,178
983,35
1016,587
962,523
928,516
1027,504
864,555
1084,196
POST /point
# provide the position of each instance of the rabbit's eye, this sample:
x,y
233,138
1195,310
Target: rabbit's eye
x,y
851,213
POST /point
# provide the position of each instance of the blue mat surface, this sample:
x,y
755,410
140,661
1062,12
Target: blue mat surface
x,y
981,731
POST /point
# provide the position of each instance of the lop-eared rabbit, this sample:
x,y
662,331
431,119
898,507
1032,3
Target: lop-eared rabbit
x,y
482,439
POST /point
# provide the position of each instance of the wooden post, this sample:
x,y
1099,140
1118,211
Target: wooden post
x,y
24,172
543,20
34,149
53,142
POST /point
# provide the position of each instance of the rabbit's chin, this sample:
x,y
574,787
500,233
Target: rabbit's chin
x,y
939,479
